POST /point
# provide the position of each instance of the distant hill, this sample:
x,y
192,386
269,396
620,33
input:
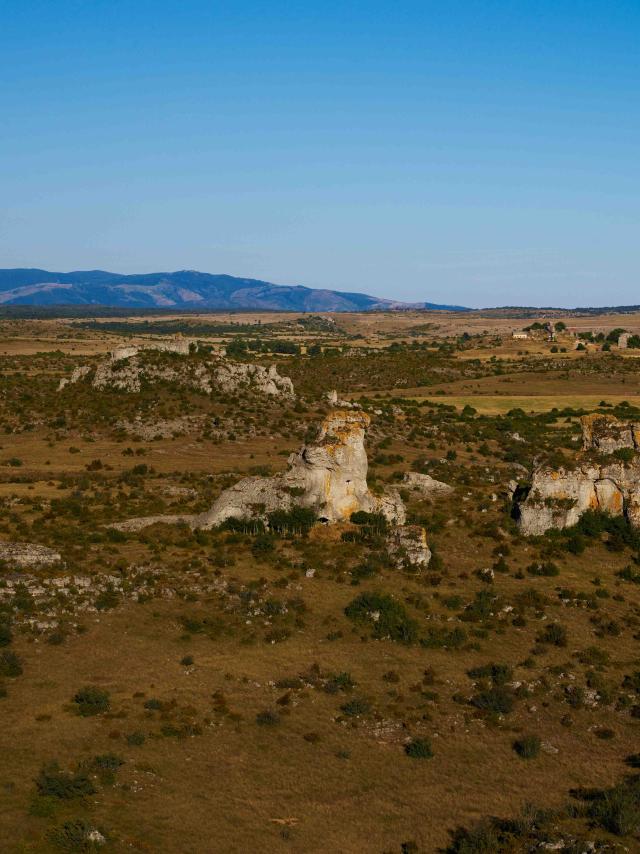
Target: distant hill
x,y
185,289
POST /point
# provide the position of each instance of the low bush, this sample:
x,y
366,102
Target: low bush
x,y
527,747
499,674
267,718
356,707
554,634
91,701
497,700
616,809
419,748
10,664
387,617
442,638
54,783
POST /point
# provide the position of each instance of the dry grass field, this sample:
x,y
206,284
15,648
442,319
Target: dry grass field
x,y
238,703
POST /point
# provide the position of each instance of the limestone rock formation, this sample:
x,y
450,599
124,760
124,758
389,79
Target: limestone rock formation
x,y
408,544
25,555
334,400
126,368
328,476
425,484
606,433
600,481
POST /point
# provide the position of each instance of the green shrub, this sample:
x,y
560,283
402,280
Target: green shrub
x,y
107,762
441,638
297,521
546,570
527,747
54,783
419,748
268,718
6,635
387,617
481,839
356,707
10,664
91,701
496,700
339,682
136,738
632,682
625,455
554,634
481,608
498,673
76,835
617,809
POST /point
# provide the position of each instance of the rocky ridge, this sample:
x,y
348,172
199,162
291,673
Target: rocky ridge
x,y
128,368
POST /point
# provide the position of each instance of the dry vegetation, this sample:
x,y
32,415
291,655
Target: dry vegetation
x,y
179,691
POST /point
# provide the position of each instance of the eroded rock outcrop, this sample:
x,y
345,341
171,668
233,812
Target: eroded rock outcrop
x,y
601,480
26,555
408,545
334,400
127,368
328,476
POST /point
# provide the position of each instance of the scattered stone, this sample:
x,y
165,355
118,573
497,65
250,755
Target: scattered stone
x,y
25,555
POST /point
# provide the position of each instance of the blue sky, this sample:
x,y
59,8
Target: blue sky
x,y
483,153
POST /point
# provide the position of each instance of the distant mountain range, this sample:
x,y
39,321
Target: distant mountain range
x,y
185,289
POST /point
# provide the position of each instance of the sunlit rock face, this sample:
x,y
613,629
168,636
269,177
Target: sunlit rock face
x,y
558,498
327,476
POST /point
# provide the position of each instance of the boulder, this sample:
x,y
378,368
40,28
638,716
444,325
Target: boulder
x,y
425,484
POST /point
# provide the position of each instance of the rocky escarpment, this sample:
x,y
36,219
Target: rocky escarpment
x,y
603,479
126,369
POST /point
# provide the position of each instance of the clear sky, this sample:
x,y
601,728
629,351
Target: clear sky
x,y
483,152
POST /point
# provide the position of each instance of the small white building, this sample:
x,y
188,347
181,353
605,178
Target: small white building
x,y
520,336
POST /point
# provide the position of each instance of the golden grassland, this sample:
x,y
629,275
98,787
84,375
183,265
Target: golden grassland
x,y
209,777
